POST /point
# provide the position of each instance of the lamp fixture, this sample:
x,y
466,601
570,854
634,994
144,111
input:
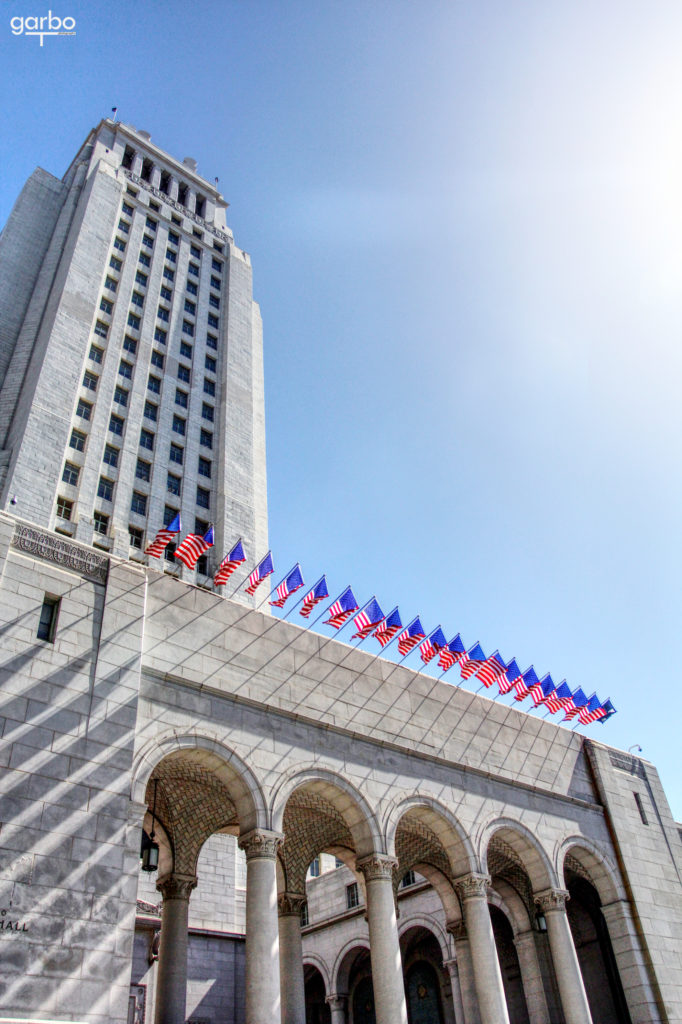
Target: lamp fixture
x,y
149,851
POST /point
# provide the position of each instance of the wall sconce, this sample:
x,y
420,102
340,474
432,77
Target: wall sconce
x,y
541,922
149,850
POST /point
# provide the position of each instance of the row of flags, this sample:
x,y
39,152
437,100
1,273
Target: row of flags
x,y
371,620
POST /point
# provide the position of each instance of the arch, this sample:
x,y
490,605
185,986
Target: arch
x,y
315,960
344,962
534,858
443,824
422,921
344,797
506,898
601,871
443,886
218,759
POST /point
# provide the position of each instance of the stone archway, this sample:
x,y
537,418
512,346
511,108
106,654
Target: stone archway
x,y
317,1010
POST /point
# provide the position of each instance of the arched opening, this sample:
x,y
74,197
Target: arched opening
x,y
361,991
509,968
424,976
316,1008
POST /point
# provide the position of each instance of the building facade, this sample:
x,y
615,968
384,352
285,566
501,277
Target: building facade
x,y
341,840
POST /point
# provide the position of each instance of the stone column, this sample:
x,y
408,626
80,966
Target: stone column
x,y
473,891
155,177
136,166
337,1004
191,200
552,903
171,978
627,950
465,972
458,1006
292,985
173,188
387,969
531,977
262,938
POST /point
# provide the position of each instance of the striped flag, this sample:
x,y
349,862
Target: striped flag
x,y
451,653
291,583
609,710
314,595
193,547
387,629
163,538
559,699
492,669
342,609
511,674
523,684
229,564
541,690
433,643
592,711
578,701
368,619
261,572
475,658
411,636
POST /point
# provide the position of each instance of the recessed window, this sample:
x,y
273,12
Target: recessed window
x,y
110,284
190,307
151,411
185,350
206,438
209,386
207,411
147,440
157,359
128,209
64,508
195,251
179,425
171,256
188,328
106,306
203,497
218,246
173,484
173,238
133,321
120,395
119,244
217,265
105,489
200,526
90,381
115,263
110,456
160,335
77,441
125,369
144,259
154,206
214,301
96,353
135,537
116,424
213,320
70,473
137,299
204,466
169,552
184,373
175,220
211,341
139,503
198,234
408,879
177,454
154,385
49,613
148,241
193,269
123,226
169,514
163,313
141,279
216,283
130,345
210,364
202,565
101,329
169,274
166,293
100,523
314,869
84,409
305,919
192,288
151,224
143,470
352,896
640,808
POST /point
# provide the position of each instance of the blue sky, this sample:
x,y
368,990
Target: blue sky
x,y
465,225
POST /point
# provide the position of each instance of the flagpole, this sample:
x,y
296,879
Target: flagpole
x,y
274,591
302,598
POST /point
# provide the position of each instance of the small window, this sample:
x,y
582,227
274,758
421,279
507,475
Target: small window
x,y
96,353
127,209
207,412
352,896
154,385
130,345
175,220
121,395
110,284
188,328
163,313
151,411
141,279
408,879
154,206
202,565
151,224
192,288
211,341
195,251
179,425
166,293
217,265
197,234
213,320
125,369
49,613
115,263
84,409
209,386
147,440
105,489
144,259
133,321
143,470
169,553
160,335
314,868
171,256
101,523
200,526
640,808
193,269
214,301
77,441
116,424
181,398
206,438
203,497
177,454
173,238
64,508
210,364
305,920
124,226
190,307
137,299
173,484
70,473
169,274
204,467
148,241
185,350
157,359
216,283
218,246
119,244
110,457
139,503
135,537
101,329
169,514
184,373
90,381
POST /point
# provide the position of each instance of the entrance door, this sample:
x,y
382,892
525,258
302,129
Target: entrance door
x,y
363,1003
423,1001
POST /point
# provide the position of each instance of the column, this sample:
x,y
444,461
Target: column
x,y
630,962
533,987
262,938
458,1006
337,1004
173,188
473,891
136,167
155,177
191,200
292,984
552,903
465,973
171,978
387,968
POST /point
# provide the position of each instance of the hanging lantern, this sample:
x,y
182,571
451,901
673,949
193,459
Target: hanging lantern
x,y
149,850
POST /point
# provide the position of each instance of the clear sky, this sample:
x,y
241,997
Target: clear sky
x,y
465,221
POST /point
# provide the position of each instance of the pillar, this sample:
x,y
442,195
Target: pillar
x,y
531,977
171,978
262,938
458,1006
292,984
387,970
337,1005
173,188
155,177
552,903
473,891
465,973
136,166
630,962
191,200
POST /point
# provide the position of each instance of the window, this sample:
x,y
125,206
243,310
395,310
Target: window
x,y
210,364
120,395
211,341
185,350
169,514
137,299
202,565
157,359
64,508
173,484
151,224
212,320
169,552
177,453
352,896
160,336
175,220
148,241
154,206
101,329
147,440
216,283
179,425
110,284
214,301
116,424
190,307
144,259
106,306
218,246
124,226
640,808
119,244
110,457
192,288
184,373
70,473
305,920
204,466
217,265
154,385
206,438
141,279
314,868
181,398
162,313
125,369
188,328
90,381
133,321
173,238
200,526
196,251
151,411
408,879
203,497
130,345
127,208
139,503
207,411
101,523
96,353
198,234
166,293
143,470
84,409
47,625
171,256
169,274
105,489
135,537
77,441
115,263
338,863
209,386
193,269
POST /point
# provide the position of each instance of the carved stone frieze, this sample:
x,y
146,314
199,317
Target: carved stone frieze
x,y
290,904
55,549
551,899
377,865
176,887
627,763
175,204
473,886
260,843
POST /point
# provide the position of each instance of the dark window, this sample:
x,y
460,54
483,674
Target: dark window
x,y
203,497
177,453
90,381
135,537
210,364
192,288
218,246
179,425
77,441
160,336
70,473
127,208
200,526
115,263
137,299
154,206
96,353
171,256
352,896
147,440
640,808
211,341
305,920
154,385
169,552
408,879
105,489
139,503
202,565
173,238
193,269
169,514
181,398
143,470
151,411
116,424
130,345
198,234
106,306
141,279
185,350
169,274
49,613
119,244
121,395
151,224
195,251
209,386
188,328
190,307
125,369
64,508
101,523
110,456
144,259
101,329
315,868
204,466
163,313
157,359
213,320
184,373
173,484
216,283
123,226
166,293
84,409
214,301
133,321
207,411
206,438
217,265
110,284
175,220
148,241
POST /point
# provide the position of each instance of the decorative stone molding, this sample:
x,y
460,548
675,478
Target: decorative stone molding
x,y
451,967
53,549
473,886
627,763
259,843
176,887
175,204
290,904
551,899
377,865
457,929
143,907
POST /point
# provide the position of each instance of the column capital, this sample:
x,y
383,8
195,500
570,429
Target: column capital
x,y
290,904
260,842
473,886
551,899
176,886
336,1002
451,966
457,929
377,865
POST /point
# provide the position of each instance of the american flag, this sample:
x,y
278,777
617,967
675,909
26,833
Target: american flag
x,y
291,582
368,619
523,684
433,643
608,709
578,701
229,564
475,658
342,609
410,636
261,572
541,690
451,653
512,673
492,669
193,547
387,629
592,711
163,538
314,595
559,699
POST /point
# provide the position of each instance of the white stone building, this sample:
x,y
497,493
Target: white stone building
x,y
478,865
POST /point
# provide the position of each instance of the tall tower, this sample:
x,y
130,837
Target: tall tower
x,y
131,368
